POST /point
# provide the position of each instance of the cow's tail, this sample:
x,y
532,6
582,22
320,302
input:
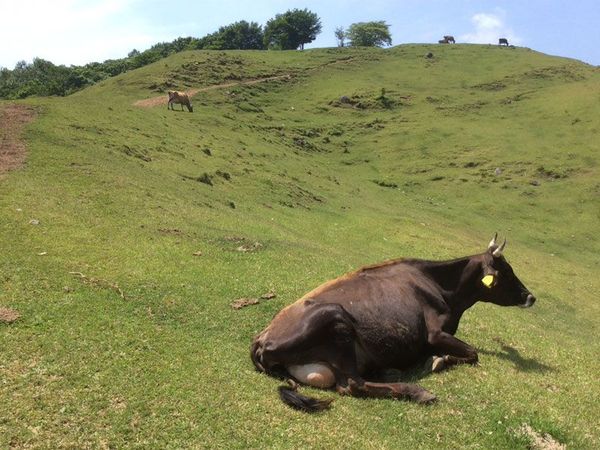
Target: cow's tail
x,y
291,397
288,394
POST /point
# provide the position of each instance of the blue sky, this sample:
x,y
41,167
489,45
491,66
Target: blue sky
x,y
81,31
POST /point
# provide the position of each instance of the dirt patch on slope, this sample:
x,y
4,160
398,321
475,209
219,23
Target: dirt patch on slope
x,y
13,119
538,440
162,99
8,315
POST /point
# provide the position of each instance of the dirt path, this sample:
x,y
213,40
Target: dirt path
x,y
162,99
13,119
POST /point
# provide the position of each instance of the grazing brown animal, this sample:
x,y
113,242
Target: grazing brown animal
x,y
389,315
180,98
503,41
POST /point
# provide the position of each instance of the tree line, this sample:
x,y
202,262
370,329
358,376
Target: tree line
x,y
288,31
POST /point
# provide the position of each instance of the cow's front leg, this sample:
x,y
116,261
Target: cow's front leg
x,y
454,351
434,363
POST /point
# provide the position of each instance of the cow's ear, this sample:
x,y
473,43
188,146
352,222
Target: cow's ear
x,y
490,277
489,281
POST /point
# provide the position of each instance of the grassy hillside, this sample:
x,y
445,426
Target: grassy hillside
x,y
127,339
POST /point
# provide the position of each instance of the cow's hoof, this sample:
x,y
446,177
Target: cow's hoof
x,y
438,364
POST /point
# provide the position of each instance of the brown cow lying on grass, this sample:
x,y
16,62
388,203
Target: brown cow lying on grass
x,y
384,316
180,98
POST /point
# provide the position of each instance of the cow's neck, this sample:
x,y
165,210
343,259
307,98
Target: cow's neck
x,y
458,280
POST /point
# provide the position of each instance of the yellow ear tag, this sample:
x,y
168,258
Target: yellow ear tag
x,y
488,280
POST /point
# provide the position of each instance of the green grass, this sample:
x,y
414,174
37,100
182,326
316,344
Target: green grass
x,y
324,188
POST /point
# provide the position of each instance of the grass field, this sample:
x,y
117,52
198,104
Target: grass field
x,y
127,338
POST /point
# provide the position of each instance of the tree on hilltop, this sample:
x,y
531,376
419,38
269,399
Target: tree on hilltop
x,y
340,35
369,34
236,36
292,29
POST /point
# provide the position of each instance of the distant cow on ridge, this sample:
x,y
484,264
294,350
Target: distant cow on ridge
x,y
503,41
449,39
180,98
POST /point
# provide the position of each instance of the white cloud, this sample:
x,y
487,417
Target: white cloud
x,y
71,31
489,27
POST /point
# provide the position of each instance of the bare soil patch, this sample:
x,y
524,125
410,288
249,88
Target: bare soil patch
x,y
13,150
540,441
100,283
163,99
8,315
243,302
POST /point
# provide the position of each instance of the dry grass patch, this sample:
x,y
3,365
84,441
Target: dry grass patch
x,y
13,119
8,315
538,440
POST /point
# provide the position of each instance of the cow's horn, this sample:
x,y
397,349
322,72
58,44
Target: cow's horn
x,y
493,242
498,252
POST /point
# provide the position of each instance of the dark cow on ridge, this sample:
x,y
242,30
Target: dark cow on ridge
x,y
180,98
503,41
449,39
384,316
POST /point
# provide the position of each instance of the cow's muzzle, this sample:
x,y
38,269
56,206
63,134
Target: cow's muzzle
x,y
529,301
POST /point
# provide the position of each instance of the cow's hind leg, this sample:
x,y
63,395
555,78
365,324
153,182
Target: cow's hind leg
x,y
301,349
311,340
320,352
344,362
406,391
340,357
350,382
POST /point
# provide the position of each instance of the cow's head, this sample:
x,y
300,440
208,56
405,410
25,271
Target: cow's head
x,y
190,108
499,283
